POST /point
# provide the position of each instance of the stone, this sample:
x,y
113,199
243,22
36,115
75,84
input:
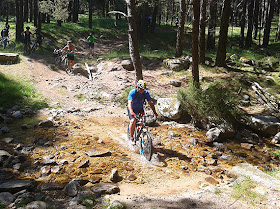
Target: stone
x,y
105,188
211,180
6,58
267,125
36,205
175,83
51,187
169,107
6,198
178,64
84,164
5,129
17,115
117,204
98,153
46,123
246,145
127,65
17,185
72,188
114,175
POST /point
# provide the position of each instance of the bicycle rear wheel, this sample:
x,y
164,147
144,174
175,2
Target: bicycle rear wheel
x,y
146,146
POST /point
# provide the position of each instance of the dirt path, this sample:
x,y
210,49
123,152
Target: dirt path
x,y
157,184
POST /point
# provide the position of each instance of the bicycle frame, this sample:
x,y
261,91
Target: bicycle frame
x,y
140,121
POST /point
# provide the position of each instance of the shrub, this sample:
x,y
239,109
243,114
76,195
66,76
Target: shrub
x,y
215,102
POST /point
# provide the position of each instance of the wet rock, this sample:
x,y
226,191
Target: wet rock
x,y
276,138
49,162
41,142
84,164
45,170
4,154
225,157
6,198
63,162
95,179
5,129
193,141
211,180
220,132
246,146
36,205
114,176
72,188
131,177
169,107
17,185
46,124
17,115
98,153
55,169
51,187
8,140
173,134
105,188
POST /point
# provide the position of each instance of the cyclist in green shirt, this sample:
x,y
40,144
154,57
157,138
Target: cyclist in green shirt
x,y
90,39
70,54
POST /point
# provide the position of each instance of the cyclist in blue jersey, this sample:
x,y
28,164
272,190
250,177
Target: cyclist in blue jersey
x,y
136,100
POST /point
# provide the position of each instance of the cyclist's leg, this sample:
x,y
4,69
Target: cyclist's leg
x,y
132,123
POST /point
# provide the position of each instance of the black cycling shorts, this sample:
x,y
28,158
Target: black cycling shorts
x,y
70,56
135,111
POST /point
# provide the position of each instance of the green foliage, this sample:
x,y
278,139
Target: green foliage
x,y
14,92
276,153
123,98
245,191
2,206
89,201
216,102
58,9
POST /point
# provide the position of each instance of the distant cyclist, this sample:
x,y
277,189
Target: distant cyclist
x,y
5,34
90,39
136,99
70,54
39,38
27,37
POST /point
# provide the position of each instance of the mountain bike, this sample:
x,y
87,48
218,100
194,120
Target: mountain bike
x,y
60,58
27,49
34,46
7,44
142,135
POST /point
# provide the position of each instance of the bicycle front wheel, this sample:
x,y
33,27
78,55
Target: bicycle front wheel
x,y
146,146
11,45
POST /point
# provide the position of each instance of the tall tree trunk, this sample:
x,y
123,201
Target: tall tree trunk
x,y
36,13
132,39
195,44
212,25
39,26
19,19
90,7
222,45
181,28
25,10
70,10
256,18
278,29
202,32
76,6
31,10
243,7
266,33
248,41
154,16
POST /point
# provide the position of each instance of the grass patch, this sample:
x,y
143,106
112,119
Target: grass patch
x,y
123,98
245,191
88,201
19,93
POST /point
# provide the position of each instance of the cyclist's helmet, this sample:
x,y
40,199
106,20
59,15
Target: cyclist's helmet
x,y
141,84
27,27
69,41
90,34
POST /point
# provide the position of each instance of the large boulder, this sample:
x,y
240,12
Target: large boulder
x,y
222,131
127,64
178,64
266,125
169,107
6,58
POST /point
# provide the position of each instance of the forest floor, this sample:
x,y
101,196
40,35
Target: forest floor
x,y
161,183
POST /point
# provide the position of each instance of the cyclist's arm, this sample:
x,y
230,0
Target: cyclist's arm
x,y
129,106
153,107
